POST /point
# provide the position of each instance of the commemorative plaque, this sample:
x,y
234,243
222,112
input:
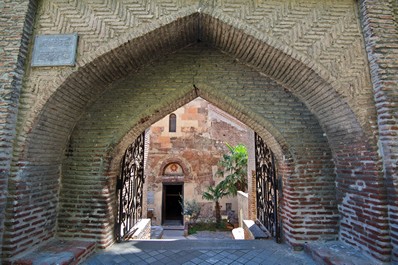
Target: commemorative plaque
x,y
54,50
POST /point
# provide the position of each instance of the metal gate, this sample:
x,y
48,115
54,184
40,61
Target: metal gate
x,y
130,187
266,188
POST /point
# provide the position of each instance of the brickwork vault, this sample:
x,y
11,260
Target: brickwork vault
x,y
316,79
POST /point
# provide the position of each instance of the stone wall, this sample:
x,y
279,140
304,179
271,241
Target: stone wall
x,y
243,207
199,142
294,71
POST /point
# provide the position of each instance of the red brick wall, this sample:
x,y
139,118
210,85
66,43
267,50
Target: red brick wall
x,y
380,28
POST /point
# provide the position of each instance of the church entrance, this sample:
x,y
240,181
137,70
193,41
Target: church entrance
x,y
171,206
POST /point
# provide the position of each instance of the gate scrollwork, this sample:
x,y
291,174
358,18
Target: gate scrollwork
x,y
266,188
130,189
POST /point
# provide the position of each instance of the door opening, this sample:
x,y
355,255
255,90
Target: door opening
x,y
172,209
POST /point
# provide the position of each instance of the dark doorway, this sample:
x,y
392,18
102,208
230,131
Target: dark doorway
x,y
172,209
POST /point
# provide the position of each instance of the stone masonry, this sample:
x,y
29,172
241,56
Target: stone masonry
x,y
317,80
197,145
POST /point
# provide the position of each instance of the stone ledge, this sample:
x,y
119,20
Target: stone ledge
x,y
238,233
156,232
337,253
56,251
141,230
253,231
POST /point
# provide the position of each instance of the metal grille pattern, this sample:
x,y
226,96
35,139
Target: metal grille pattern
x,y
130,188
267,188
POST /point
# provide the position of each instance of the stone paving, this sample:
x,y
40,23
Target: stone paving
x,y
202,248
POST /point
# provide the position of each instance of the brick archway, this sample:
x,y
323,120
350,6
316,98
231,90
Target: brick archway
x,y
63,119
144,94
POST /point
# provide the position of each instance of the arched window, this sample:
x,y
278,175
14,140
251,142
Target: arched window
x,y
172,123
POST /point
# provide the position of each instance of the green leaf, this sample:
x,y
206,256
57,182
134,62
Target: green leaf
x,y
233,168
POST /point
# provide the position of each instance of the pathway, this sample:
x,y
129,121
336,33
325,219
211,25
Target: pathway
x,y
207,248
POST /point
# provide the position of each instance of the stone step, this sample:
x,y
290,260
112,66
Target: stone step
x,y
58,251
238,233
337,253
197,244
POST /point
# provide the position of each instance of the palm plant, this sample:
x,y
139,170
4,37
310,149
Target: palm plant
x,y
215,193
234,169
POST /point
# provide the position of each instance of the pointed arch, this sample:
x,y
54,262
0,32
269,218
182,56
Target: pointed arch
x,y
58,127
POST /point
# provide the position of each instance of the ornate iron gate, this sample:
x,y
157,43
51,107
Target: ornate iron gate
x,y
130,187
267,188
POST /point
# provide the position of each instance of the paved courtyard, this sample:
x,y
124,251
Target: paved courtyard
x,y
215,249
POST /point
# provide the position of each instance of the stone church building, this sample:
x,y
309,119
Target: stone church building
x,y
183,154
315,80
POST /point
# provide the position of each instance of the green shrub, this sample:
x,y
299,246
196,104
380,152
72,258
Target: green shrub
x,y
190,208
202,226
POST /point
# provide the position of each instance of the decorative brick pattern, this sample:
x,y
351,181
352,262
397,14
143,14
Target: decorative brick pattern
x,y
328,32
101,21
333,42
